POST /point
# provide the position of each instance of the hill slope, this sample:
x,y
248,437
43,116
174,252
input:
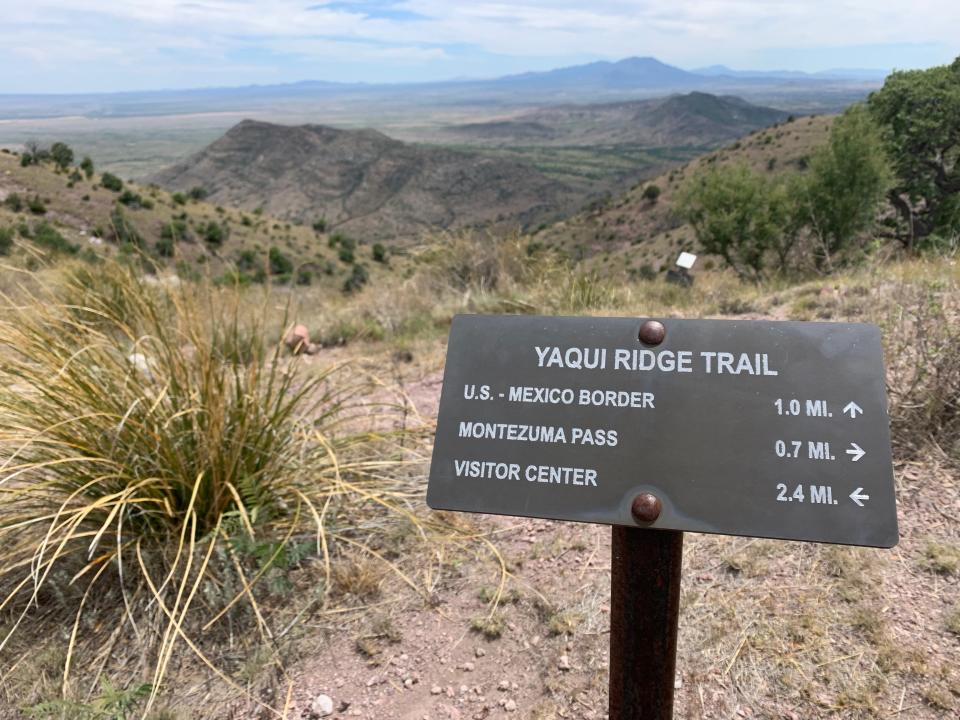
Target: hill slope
x,y
696,119
365,183
630,233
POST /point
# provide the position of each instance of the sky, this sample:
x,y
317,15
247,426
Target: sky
x,y
63,46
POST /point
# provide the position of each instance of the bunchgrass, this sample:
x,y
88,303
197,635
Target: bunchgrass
x,y
155,439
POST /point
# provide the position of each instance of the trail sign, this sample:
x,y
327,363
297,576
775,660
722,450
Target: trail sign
x,y
756,428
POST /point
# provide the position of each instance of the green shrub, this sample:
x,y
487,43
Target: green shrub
x,y
130,199
47,236
320,226
358,278
37,206
280,264
123,232
111,182
6,240
179,198
197,193
87,166
175,230
379,253
304,276
166,247
651,192
213,233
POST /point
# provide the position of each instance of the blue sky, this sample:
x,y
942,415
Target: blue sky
x,y
93,46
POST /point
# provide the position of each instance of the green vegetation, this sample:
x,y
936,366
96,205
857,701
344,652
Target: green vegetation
x,y
87,166
62,155
13,202
6,240
320,226
37,206
359,276
379,253
214,233
651,192
111,182
47,236
159,431
197,193
919,113
280,264
739,216
123,231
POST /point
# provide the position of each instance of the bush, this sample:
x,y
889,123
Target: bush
x,y
159,433
130,199
179,198
280,264
175,230
651,193
166,247
47,236
123,232
304,276
213,233
37,206
197,193
6,240
346,255
379,253
87,166
320,226
111,182
358,278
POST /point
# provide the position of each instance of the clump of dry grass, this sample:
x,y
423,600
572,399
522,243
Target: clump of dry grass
x,y
154,441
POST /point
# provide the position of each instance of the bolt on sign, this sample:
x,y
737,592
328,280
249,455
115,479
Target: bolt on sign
x,y
754,428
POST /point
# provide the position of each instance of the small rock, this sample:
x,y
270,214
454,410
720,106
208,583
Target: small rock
x,y
503,685
436,690
479,652
468,667
322,706
563,663
511,706
678,683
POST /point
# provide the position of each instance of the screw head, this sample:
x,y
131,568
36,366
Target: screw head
x,y
646,508
652,332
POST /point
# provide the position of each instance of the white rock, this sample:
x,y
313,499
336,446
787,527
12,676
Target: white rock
x,y
511,706
436,690
563,663
322,706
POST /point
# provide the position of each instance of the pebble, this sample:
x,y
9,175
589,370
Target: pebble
x,y
468,667
322,706
563,663
479,652
503,685
436,690
511,706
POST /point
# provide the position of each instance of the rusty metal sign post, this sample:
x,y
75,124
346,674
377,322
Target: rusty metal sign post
x,y
752,428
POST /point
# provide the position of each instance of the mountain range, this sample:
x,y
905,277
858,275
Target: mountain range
x,y
634,76
379,188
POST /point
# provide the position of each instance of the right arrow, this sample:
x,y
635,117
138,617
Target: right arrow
x,y
855,452
853,409
858,497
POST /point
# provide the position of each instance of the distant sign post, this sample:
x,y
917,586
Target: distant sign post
x,y
754,428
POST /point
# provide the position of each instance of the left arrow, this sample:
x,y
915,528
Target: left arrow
x,y
855,452
858,497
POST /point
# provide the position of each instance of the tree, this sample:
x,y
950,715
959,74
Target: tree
x,y
740,216
87,166
62,155
919,113
849,176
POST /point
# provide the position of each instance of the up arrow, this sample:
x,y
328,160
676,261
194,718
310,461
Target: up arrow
x,y
853,409
858,497
856,452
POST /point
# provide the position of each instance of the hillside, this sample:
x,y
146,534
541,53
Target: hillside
x,y
696,119
365,183
53,216
630,233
